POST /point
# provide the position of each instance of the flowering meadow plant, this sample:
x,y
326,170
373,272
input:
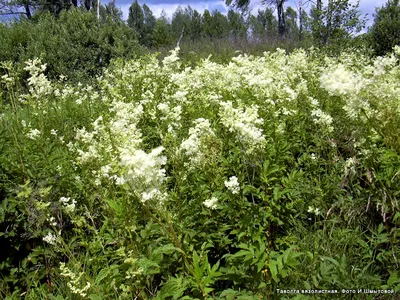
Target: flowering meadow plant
x,y
221,181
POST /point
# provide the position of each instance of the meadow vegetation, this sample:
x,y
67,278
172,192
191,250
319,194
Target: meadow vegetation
x,y
219,181
228,168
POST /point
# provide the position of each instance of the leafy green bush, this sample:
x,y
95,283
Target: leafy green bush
x,y
384,33
75,45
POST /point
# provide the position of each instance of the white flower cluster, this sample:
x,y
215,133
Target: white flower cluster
x,y
115,145
243,122
171,116
382,64
339,81
349,167
39,85
144,173
51,238
313,210
68,205
75,281
322,119
171,62
233,185
195,145
211,203
33,134
52,221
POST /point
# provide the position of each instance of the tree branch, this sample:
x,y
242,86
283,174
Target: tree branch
x,y
12,13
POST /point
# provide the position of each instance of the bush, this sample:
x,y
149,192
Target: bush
x,y
384,33
75,44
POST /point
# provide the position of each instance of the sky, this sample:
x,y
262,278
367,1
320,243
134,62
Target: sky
x,y
366,6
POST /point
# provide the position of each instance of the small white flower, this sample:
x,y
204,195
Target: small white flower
x,y
50,238
233,185
64,200
313,210
53,132
52,221
211,203
33,134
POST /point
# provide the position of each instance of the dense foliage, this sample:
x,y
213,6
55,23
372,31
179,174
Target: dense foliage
x,y
222,181
75,44
384,33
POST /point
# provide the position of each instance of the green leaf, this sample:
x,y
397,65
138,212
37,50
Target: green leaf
x,y
199,269
229,294
274,271
104,273
394,278
174,287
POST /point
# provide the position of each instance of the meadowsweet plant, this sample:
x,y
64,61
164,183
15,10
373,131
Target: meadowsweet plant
x,y
196,145
233,185
211,203
244,124
232,180
39,85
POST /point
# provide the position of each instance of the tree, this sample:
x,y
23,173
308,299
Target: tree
x,y
113,11
207,23
30,7
237,25
264,25
196,29
279,4
220,24
162,31
292,30
148,26
180,21
335,22
384,33
136,19
8,7
281,16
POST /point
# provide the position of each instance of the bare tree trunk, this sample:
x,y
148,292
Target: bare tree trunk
x,y
328,24
300,20
180,38
281,18
319,21
87,4
27,9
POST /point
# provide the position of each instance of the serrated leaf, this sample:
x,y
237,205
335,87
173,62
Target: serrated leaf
x,y
174,287
394,278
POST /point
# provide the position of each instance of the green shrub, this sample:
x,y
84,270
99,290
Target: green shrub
x,y
384,33
75,44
